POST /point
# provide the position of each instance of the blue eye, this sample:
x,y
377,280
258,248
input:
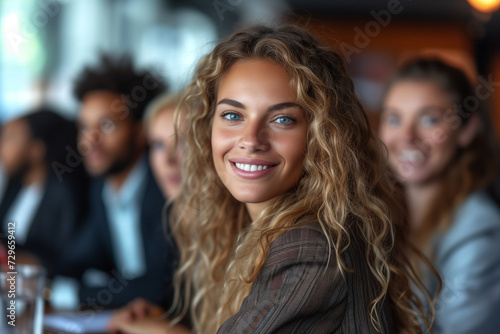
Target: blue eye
x,y
157,146
429,121
284,120
230,116
392,121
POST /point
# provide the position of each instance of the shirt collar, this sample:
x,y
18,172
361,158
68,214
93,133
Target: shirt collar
x,y
130,191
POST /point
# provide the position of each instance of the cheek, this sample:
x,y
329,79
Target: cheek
x,y
445,151
222,142
17,149
8,154
443,137
387,136
13,155
157,161
292,149
442,140
119,141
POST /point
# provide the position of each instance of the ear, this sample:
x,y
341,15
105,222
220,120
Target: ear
x,y
468,131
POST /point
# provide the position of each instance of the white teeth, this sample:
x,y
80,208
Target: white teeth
x,y
250,168
412,156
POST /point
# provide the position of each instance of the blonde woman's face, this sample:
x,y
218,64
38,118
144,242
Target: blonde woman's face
x,y
420,131
165,165
259,133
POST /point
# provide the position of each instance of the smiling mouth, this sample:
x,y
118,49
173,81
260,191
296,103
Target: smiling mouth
x,y
252,168
412,156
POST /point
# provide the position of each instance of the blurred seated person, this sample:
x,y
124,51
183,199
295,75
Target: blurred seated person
x,y
445,157
2,180
42,201
121,252
166,159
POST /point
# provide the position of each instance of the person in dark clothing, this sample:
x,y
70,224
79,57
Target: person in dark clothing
x,y
121,252
45,206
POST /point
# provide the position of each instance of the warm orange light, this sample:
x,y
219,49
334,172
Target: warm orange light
x,y
485,6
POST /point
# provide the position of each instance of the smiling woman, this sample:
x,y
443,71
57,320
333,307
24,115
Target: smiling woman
x,y
285,189
445,157
259,133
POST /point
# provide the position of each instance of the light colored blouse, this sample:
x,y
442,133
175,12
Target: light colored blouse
x,y
467,256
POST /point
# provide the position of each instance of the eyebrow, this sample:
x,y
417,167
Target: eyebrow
x,y
423,110
276,107
432,108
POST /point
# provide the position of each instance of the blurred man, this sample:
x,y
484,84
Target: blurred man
x,y
122,243
166,155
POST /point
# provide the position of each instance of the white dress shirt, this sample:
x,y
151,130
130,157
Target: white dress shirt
x,y
23,210
123,209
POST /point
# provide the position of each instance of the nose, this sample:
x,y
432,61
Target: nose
x,y
171,156
409,133
92,137
254,137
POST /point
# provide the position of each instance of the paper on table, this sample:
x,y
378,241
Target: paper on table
x,y
78,322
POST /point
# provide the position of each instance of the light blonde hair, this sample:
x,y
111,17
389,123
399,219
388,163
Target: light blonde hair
x,y
156,106
345,187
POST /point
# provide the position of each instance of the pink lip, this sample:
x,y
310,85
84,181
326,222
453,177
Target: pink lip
x,y
172,179
252,175
94,156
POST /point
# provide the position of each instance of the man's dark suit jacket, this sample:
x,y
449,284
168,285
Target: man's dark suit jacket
x,y
92,248
53,224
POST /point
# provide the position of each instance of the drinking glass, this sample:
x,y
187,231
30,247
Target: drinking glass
x,y
21,299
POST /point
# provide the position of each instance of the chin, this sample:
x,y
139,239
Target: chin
x,y
95,170
416,180
251,198
171,192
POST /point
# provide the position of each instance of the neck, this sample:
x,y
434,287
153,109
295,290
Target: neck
x,y
420,198
118,179
255,209
35,174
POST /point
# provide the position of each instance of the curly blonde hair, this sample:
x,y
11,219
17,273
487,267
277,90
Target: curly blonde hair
x,y
345,187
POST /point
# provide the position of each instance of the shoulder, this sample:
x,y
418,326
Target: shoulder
x,y
301,243
468,261
476,224
306,234
478,214
297,290
478,204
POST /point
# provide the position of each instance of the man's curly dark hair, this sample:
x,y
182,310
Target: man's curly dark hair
x,y
117,75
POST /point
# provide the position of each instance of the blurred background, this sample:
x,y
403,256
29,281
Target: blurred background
x,y
46,43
